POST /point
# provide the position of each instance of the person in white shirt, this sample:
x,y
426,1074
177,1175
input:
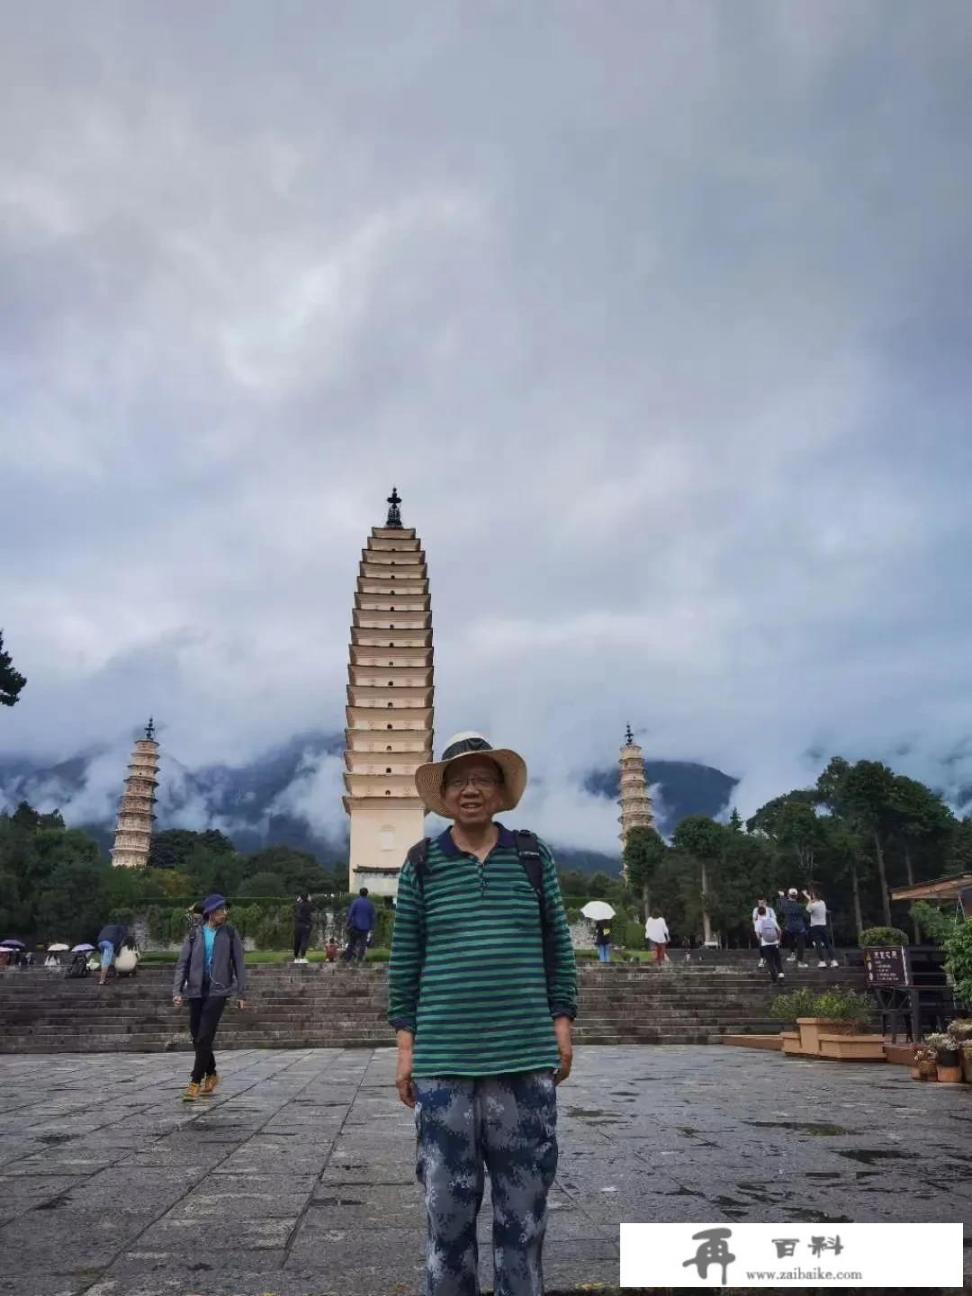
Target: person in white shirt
x,y
768,931
819,935
656,934
772,913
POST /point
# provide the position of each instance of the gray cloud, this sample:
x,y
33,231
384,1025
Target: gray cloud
x,y
659,319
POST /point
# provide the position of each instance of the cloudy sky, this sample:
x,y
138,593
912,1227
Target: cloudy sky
x,y
658,314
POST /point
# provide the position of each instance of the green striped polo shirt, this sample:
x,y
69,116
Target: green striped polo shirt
x,y
467,972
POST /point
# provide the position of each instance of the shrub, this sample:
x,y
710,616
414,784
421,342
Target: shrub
x,y
585,955
798,1003
958,963
377,955
844,1006
882,936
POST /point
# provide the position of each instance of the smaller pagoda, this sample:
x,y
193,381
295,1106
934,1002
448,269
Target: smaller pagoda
x,y
136,813
635,799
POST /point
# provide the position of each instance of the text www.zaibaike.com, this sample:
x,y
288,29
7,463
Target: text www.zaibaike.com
x,y
824,1275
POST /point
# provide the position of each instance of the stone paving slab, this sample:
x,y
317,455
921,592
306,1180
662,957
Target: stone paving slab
x,y
298,1179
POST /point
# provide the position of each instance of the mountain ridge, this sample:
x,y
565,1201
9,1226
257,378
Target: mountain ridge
x,y
276,798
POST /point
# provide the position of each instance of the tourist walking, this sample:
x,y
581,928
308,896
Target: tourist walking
x,y
794,921
211,965
819,934
303,923
360,924
772,913
656,934
769,934
110,941
482,992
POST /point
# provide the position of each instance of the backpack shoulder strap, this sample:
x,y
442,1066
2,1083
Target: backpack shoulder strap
x,y
528,849
418,857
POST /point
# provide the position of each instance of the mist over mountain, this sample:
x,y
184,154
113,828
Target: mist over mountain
x,y
291,794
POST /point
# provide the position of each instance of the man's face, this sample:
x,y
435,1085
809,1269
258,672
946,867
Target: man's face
x,y
472,789
217,917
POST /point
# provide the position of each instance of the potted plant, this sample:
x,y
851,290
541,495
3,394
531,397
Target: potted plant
x,y
947,1058
961,1031
836,1012
926,1064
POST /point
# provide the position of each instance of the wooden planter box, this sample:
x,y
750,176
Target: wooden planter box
x,y
811,1029
791,1043
852,1048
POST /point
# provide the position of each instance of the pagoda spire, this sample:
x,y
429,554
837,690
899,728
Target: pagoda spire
x,y
634,799
394,512
136,812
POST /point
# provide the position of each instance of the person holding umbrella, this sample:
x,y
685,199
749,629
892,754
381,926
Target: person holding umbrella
x,y
600,913
210,965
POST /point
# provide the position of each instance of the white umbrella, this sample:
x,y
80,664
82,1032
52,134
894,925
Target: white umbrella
x,y
57,949
597,910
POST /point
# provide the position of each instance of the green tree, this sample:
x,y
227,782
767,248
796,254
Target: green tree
x,y
297,870
919,819
11,680
704,840
958,858
644,850
262,884
792,824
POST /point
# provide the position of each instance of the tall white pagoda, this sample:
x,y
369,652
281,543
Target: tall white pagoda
x,y
390,703
136,813
634,799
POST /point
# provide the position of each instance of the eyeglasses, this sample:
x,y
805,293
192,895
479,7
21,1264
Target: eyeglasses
x,y
481,781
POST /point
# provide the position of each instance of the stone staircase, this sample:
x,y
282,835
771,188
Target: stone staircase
x,y
333,1006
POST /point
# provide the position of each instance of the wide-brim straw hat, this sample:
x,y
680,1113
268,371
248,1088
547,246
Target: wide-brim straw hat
x,y
428,778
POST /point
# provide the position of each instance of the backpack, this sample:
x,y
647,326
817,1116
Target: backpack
x,y
531,860
767,930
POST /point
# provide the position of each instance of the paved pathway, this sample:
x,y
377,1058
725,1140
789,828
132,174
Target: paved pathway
x,y
298,1181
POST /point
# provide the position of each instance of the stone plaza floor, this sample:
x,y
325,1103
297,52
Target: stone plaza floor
x,y
298,1179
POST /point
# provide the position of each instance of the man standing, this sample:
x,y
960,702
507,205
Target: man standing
x,y
303,921
819,935
210,964
110,941
656,934
360,925
482,990
794,918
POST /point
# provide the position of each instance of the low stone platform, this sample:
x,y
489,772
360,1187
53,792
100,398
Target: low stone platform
x,y
298,1179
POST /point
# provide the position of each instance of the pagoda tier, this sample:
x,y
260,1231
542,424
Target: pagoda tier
x,y
389,703
136,812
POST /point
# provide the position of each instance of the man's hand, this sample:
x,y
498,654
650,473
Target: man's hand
x,y
403,1069
242,1004
565,1048
177,1001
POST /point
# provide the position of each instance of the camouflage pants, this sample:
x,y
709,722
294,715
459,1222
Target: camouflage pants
x,y
506,1125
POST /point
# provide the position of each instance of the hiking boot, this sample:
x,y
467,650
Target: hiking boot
x,y
822,963
834,963
209,1086
192,1092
